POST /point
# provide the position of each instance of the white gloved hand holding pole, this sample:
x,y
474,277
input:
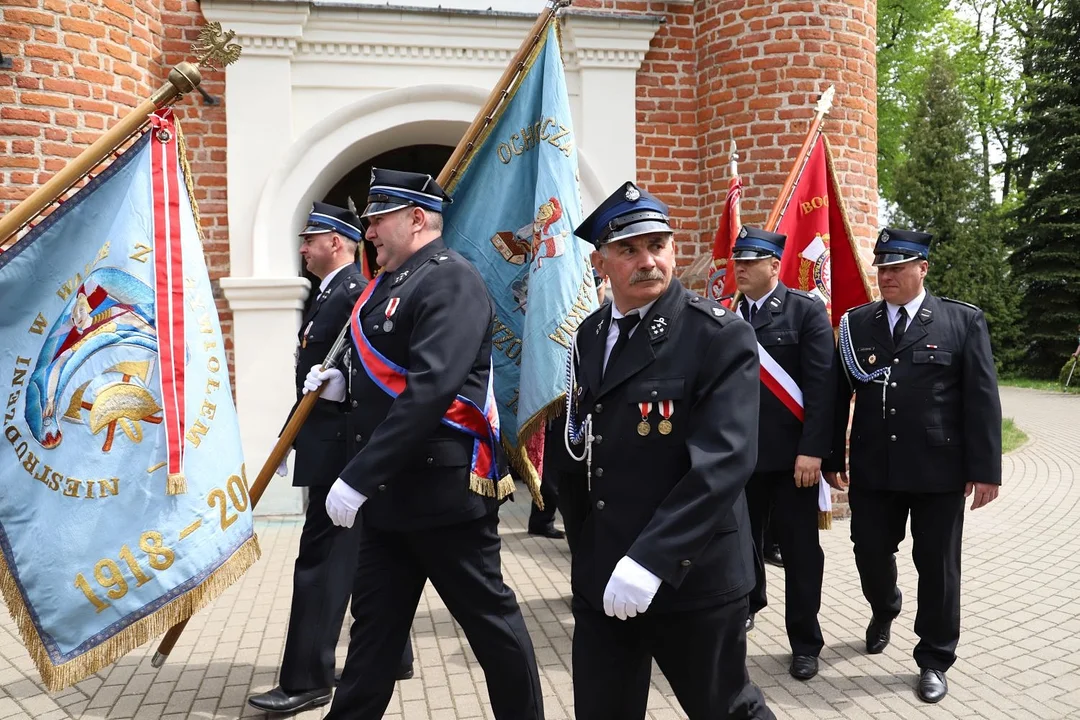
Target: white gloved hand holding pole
x,y
630,590
283,468
331,381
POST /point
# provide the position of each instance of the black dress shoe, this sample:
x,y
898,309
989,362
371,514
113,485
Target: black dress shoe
x,y
773,557
548,531
803,667
878,634
932,686
404,672
279,701
749,622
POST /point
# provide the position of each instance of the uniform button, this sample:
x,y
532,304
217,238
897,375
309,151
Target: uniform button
x,y
338,435
354,403
382,488
685,563
598,439
599,504
779,339
430,460
931,357
359,438
892,384
896,361
599,472
354,371
374,327
652,394
598,408
892,411
893,438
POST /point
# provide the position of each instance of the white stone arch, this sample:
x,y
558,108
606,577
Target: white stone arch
x,y
327,151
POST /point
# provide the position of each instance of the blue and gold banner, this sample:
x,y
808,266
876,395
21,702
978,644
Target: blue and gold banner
x,y
124,503
516,204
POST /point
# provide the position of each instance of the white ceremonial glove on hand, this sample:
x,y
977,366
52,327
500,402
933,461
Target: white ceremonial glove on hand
x,y
630,590
283,468
342,502
331,381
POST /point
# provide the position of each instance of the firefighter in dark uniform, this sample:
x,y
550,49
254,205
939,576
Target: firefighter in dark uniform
x,y
793,328
322,579
424,462
925,435
662,430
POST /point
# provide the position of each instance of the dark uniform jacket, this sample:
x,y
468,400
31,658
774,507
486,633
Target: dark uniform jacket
x,y
320,444
414,470
793,327
938,425
674,503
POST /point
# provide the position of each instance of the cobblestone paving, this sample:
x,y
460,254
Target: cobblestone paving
x,y
1019,655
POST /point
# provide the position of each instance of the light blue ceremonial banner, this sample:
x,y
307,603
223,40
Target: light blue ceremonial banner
x,y
514,212
96,557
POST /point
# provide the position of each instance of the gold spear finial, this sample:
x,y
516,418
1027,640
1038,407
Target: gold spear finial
x,y
215,47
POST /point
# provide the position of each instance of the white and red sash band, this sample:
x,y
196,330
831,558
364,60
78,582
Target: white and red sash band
x,y
788,392
462,415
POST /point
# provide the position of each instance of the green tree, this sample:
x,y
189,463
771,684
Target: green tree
x,y
1046,262
939,189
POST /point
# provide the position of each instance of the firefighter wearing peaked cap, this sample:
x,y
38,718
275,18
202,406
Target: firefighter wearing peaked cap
x,y
795,344
660,438
926,433
424,463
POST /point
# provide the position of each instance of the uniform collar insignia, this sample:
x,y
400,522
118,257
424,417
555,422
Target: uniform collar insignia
x,y
658,327
775,302
718,312
401,276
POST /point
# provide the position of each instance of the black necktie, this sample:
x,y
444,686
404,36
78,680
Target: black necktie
x,y
626,323
899,327
748,310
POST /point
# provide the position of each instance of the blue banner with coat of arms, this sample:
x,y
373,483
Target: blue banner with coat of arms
x,y
124,502
515,208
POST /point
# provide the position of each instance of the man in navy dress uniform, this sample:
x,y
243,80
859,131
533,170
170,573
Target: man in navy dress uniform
x,y
926,434
424,458
664,437
795,341
322,578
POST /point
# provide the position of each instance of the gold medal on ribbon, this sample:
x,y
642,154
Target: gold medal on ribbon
x,y
643,427
667,409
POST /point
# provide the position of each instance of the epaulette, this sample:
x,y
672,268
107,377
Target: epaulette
x,y
961,302
713,309
442,257
803,294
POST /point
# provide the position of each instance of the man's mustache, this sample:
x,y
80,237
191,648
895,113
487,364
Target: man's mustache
x,y
646,276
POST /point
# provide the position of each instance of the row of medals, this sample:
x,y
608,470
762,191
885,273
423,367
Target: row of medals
x,y
644,428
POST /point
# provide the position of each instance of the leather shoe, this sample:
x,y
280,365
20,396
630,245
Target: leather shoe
x,y
404,672
548,531
280,701
803,667
932,686
878,634
773,557
749,622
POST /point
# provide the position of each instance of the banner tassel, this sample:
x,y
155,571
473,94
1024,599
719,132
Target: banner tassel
x,y
176,484
824,520
489,488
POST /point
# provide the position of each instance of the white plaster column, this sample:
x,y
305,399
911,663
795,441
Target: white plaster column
x,y
265,312
603,55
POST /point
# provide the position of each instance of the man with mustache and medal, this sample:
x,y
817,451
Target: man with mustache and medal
x,y
660,437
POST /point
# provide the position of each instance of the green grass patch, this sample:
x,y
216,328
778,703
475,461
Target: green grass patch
x,y
1012,437
1033,384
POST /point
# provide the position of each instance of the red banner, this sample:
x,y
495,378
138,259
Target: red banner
x,y
721,282
820,255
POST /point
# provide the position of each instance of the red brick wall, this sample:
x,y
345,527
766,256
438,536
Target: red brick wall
x,y
76,69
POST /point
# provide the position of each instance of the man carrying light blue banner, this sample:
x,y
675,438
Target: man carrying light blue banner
x,y
124,504
515,207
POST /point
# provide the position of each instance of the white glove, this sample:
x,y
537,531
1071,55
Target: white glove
x,y
630,590
342,502
283,468
334,387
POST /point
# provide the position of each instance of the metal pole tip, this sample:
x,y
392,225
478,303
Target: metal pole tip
x,y
158,660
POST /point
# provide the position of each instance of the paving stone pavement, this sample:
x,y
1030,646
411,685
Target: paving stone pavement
x,y
1019,655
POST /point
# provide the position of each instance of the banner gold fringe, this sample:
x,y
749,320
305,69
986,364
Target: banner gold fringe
x,y
181,147
176,484
58,677
824,520
489,488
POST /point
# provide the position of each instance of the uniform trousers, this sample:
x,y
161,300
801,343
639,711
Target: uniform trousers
x,y
793,524
322,581
878,521
702,653
462,562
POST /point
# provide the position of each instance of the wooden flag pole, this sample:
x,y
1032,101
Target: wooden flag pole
x,y
449,171
780,207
